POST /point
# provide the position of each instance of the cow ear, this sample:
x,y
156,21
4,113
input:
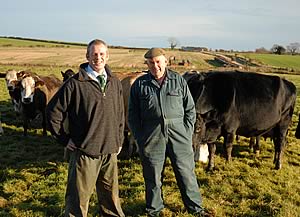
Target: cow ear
x,y
20,74
62,73
39,83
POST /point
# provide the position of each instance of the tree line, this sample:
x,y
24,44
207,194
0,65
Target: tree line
x,y
292,48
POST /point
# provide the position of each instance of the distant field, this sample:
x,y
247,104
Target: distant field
x,y
26,54
18,42
286,61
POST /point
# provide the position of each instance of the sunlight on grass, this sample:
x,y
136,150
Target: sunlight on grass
x,y
33,173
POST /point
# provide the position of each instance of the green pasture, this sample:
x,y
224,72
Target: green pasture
x,y
33,176
282,61
33,173
12,42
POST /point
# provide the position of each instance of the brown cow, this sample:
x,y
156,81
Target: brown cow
x,y
129,146
12,78
36,91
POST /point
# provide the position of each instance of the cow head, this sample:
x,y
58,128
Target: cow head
x,y
13,77
28,85
10,78
207,128
67,74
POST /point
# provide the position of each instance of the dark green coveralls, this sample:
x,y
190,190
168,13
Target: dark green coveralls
x,y
162,119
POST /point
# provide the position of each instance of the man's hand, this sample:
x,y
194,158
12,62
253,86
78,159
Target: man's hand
x,y
71,146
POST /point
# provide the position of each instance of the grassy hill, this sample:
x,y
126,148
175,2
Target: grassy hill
x,y
28,42
35,53
282,61
27,53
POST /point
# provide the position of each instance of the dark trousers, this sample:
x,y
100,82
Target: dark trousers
x,y
183,164
84,174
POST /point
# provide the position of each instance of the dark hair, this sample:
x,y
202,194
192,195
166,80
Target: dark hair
x,y
95,42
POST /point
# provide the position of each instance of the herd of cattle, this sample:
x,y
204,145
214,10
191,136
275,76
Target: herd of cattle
x,y
228,104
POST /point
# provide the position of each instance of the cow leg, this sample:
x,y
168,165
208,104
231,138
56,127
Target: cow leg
x,y
251,144
254,145
279,140
1,129
228,146
129,146
196,149
256,149
44,124
25,125
211,156
279,144
133,144
237,139
124,154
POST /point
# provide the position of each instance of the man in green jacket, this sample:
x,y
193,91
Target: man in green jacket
x,y
161,118
92,101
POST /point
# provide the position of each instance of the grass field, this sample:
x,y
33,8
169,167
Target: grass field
x,y
33,173
284,61
18,42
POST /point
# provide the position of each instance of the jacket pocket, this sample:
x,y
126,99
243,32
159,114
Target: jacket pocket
x,y
174,99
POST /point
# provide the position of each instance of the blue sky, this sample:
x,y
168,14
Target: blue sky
x,y
226,24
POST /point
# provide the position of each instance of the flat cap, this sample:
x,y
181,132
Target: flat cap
x,y
154,52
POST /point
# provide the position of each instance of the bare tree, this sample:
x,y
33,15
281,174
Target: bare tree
x,y
293,48
173,42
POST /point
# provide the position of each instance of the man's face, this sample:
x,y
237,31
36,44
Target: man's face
x,y
157,66
97,57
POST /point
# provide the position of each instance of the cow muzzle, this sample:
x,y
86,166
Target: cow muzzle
x,y
27,100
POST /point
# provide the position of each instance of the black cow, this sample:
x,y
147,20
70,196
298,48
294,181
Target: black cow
x,y
1,129
241,103
297,134
67,74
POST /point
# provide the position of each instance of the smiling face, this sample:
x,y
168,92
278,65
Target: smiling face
x,y
97,56
157,66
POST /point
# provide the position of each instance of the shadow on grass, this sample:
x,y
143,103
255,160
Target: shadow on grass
x,y
134,208
53,204
8,115
214,63
17,151
29,167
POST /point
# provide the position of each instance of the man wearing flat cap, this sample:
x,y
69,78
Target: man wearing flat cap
x,y
161,118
